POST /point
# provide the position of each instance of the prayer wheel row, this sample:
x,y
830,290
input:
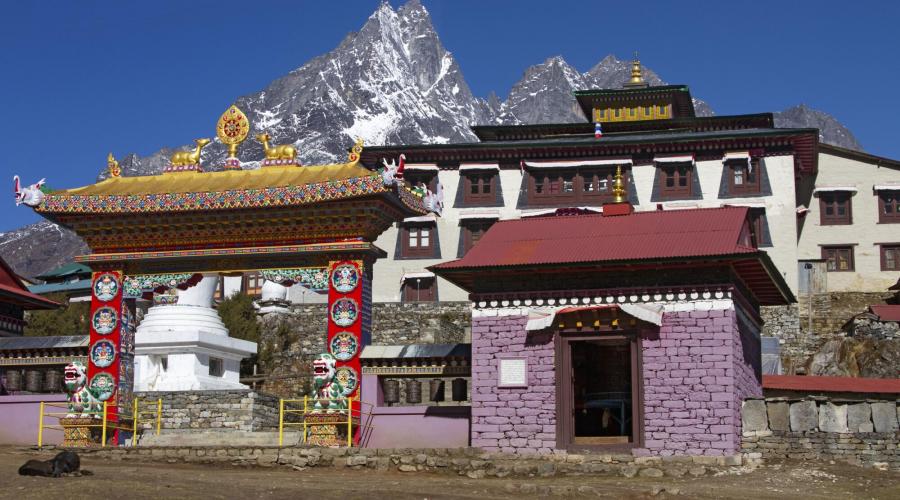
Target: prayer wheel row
x,y
35,380
391,390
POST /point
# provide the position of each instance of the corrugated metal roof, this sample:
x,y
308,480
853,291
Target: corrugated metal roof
x,y
831,384
56,342
417,351
886,312
595,238
60,287
72,268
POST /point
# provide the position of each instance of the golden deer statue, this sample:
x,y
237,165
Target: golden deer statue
x,y
185,158
283,152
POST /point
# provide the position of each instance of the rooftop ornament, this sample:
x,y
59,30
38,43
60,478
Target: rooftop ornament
x,y
637,79
277,155
232,128
186,161
112,166
32,195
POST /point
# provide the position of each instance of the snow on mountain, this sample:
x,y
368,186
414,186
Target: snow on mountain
x,y
39,247
392,82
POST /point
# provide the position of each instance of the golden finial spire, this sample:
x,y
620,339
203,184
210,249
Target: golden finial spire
x,y
112,166
637,78
618,190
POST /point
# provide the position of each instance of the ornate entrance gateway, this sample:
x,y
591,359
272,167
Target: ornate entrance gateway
x,y
312,225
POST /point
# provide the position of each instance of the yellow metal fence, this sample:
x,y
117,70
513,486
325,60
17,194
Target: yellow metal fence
x,y
352,409
100,419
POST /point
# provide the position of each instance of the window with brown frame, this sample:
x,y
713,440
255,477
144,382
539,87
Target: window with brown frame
x,y
890,257
838,258
889,207
251,284
479,187
418,241
587,185
675,181
759,234
836,208
743,177
471,233
418,290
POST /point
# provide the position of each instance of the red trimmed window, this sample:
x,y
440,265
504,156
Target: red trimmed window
x,y
418,290
472,231
743,177
838,258
889,207
417,240
479,187
675,181
890,257
836,208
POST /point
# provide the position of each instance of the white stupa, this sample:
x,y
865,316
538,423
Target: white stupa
x,y
186,347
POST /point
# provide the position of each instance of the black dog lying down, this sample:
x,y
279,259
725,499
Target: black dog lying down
x,y
64,463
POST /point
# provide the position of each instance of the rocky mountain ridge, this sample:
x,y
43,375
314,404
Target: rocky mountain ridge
x,y
392,82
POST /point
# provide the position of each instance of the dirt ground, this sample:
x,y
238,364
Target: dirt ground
x,y
133,480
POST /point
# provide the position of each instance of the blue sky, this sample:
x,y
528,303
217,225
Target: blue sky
x,y
80,79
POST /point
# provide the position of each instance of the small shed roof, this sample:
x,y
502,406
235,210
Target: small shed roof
x,y
801,383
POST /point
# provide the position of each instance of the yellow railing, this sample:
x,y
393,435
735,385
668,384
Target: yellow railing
x,y
99,419
348,410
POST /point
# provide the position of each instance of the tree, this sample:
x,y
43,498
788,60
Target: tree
x,y
71,319
239,316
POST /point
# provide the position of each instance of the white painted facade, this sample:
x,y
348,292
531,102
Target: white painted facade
x,y
864,234
779,206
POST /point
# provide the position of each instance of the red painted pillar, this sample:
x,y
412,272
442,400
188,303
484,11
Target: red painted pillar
x,y
104,360
349,319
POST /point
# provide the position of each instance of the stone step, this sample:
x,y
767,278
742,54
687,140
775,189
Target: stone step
x,y
217,438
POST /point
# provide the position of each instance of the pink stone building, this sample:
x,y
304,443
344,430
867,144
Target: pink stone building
x,y
636,332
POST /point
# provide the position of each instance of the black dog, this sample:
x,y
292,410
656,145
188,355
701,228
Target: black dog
x,y
66,462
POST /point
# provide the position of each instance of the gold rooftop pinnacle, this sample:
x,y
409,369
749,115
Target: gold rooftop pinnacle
x,y
637,79
618,189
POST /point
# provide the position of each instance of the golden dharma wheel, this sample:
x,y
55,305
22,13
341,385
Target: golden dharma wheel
x,y
232,128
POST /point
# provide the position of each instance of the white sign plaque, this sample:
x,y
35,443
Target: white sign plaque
x,y
513,372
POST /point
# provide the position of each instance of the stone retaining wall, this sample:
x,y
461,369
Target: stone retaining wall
x,y
238,410
289,342
861,433
470,462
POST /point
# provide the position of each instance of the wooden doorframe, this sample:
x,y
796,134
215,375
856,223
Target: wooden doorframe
x,y
565,418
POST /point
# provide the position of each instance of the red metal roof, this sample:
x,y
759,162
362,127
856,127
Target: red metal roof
x,y
14,292
886,312
832,384
653,239
594,238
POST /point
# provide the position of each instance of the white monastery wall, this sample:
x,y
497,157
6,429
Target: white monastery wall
x,y
779,206
865,232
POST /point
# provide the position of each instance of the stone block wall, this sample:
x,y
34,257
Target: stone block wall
x,y
857,432
220,410
694,380
800,338
512,420
289,342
